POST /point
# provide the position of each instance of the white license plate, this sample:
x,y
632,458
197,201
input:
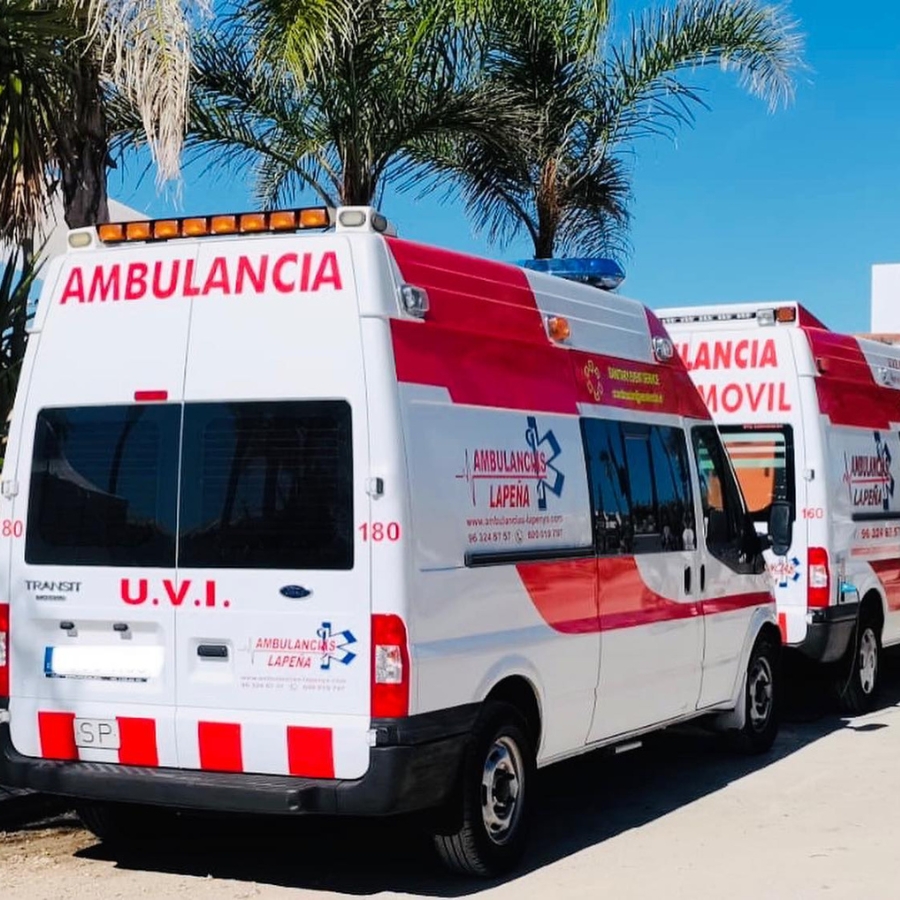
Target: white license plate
x,y
97,734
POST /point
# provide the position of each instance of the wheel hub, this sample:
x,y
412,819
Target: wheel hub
x,y
868,660
501,785
760,692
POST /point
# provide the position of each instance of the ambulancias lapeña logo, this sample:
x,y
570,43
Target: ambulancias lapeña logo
x,y
869,478
517,478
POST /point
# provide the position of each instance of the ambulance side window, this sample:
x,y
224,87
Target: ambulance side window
x,y
724,517
640,487
608,474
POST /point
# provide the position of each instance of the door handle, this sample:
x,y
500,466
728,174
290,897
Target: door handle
x,y
687,579
212,651
703,576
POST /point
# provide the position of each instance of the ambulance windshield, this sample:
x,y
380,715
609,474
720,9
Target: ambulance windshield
x,y
763,460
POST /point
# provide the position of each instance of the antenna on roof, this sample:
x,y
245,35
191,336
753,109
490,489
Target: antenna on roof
x,y
606,274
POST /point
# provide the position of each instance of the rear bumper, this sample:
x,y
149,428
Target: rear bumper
x,y
414,766
829,633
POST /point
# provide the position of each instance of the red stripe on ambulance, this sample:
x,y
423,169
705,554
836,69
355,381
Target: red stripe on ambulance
x,y
220,746
310,752
56,731
137,742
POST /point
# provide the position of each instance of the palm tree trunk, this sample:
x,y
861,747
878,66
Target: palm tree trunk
x,y
84,148
548,211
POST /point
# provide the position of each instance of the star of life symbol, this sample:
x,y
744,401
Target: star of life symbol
x,y
551,447
786,571
340,653
592,380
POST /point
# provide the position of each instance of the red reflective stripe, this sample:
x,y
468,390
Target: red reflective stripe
x,y
733,602
137,742
310,752
220,746
149,396
57,735
607,594
782,626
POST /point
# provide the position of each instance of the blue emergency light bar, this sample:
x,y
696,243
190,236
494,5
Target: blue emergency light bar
x,y
600,273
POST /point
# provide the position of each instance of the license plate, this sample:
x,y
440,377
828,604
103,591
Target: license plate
x,y
97,734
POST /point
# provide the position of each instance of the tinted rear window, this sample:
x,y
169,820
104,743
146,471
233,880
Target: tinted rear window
x,y
263,485
267,485
103,486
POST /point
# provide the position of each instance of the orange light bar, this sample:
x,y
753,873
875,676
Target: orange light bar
x,y
314,218
195,227
786,314
226,223
138,231
253,222
111,233
283,220
165,228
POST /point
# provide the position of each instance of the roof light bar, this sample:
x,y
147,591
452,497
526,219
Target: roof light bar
x,y
227,223
606,274
763,317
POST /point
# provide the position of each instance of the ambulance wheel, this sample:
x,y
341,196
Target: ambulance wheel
x,y
120,824
760,698
495,796
857,683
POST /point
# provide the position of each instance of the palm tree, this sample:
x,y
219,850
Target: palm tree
x,y
33,76
340,117
565,181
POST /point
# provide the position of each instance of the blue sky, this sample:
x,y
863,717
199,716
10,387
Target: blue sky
x,y
746,205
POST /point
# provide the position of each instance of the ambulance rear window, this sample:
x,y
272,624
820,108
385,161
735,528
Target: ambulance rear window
x,y
103,486
264,485
267,486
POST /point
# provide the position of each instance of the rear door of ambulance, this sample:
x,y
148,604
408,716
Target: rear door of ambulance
x,y
272,637
94,477
200,457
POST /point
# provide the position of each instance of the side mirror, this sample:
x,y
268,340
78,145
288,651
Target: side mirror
x,y
781,523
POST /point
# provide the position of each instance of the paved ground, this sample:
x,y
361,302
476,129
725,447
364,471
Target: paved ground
x,y
819,817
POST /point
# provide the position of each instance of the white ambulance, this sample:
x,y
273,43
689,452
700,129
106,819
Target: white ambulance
x,y
810,417
299,517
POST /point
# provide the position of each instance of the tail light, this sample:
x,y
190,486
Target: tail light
x,y
819,584
390,668
4,649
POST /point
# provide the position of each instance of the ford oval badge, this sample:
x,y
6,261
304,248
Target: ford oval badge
x,y
294,592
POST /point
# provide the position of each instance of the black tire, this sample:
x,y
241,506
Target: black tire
x,y
121,825
500,751
762,695
859,674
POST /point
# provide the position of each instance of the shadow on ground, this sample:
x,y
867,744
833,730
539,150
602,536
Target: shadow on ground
x,y
583,802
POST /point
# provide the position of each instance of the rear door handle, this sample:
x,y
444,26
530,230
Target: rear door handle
x,y
703,576
687,579
212,651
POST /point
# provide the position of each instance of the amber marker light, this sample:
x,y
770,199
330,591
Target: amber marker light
x,y
314,218
111,233
558,328
165,229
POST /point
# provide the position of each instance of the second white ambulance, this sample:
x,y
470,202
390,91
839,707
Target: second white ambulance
x,y
810,417
302,518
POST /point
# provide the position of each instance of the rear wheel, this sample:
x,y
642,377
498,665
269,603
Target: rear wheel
x,y
495,796
760,698
857,682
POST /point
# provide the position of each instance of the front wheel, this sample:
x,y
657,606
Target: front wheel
x,y
858,687
760,698
495,795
